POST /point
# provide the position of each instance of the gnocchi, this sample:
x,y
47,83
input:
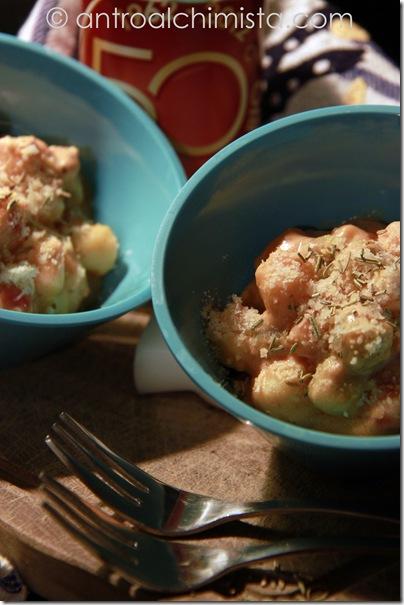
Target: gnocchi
x,y
50,252
317,331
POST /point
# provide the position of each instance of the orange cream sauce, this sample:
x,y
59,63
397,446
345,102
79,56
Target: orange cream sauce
x,y
317,330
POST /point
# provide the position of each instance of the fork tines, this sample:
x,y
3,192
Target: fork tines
x,y
118,484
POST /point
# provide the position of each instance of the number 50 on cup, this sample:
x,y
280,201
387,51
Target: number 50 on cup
x,y
193,66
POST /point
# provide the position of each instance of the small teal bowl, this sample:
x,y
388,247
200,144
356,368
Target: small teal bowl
x,y
318,168
131,169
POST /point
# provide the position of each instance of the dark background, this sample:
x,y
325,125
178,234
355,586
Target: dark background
x,y
383,24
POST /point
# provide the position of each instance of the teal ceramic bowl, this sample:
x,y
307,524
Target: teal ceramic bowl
x,y
318,168
130,166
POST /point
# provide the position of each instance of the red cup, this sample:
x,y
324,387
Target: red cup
x,y
201,84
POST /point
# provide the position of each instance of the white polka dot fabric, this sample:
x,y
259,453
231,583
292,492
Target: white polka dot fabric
x,y
318,56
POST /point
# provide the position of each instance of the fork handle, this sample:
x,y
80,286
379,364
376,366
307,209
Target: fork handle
x,y
253,554
252,509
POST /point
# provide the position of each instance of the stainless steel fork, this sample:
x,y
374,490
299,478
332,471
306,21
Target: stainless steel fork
x,y
155,506
169,566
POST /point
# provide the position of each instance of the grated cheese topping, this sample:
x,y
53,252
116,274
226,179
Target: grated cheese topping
x,y
22,276
331,301
48,245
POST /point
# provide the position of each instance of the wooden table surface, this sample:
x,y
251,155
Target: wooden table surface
x,y
181,440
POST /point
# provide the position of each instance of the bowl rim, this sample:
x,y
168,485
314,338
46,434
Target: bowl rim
x,y
241,410
99,314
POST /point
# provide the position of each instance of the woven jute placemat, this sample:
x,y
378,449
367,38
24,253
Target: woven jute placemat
x,y
181,440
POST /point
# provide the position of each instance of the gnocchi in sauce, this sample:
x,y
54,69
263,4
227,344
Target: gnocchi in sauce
x,y
316,333
50,253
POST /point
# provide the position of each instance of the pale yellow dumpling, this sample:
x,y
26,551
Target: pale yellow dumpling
x,y
317,330
332,391
96,246
50,252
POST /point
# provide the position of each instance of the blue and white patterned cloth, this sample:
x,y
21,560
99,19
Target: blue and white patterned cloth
x,y
335,65
36,29
302,68
12,588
